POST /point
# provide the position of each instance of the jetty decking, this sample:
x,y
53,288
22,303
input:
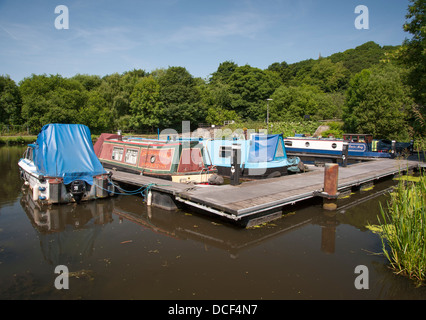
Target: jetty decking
x,y
254,198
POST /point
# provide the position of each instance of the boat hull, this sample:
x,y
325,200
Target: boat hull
x,y
263,156
62,167
53,190
175,161
330,147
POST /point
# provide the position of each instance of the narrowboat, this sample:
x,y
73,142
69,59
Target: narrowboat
x,y
178,161
61,166
261,156
360,146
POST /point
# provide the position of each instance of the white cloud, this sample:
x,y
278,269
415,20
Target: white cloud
x,y
213,28
104,40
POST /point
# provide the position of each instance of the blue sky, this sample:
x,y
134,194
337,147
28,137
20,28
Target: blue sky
x,y
108,36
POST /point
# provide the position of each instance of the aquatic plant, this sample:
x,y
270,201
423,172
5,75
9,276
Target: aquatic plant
x,y
403,230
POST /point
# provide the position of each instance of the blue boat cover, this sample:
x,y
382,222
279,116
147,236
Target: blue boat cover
x,y
66,151
263,148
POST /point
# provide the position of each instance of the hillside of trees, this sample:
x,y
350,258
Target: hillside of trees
x,y
373,89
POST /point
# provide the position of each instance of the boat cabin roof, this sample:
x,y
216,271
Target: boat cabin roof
x,y
358,137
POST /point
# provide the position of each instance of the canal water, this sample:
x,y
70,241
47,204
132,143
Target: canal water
x,y
120,249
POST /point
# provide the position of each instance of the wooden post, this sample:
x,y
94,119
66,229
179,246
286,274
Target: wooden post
x,y
331,175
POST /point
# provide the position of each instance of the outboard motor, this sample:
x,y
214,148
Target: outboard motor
x,y
78,187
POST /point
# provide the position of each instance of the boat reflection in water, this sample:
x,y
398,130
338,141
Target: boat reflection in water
x,y
221,235
55,225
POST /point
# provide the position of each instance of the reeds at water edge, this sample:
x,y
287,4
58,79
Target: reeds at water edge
x,y
403,229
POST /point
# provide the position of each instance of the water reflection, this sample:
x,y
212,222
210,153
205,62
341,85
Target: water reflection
x,y
56,226
9,174
204,229
136,252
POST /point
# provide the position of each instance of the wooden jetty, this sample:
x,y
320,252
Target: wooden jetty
x,y
261,200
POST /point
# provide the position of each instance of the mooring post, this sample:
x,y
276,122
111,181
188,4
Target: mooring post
x,y
235,165
393,147
345,151
330,194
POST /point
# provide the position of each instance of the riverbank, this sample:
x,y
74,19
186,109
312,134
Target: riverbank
x,y
16,140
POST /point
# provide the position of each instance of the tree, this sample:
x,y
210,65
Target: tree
x,y
302,102
283,69
89,82
413,51
328,76
224,72
145,105
217,116
10,101
96,114
116,90
180,97
249,88
362,57
377,103
50,99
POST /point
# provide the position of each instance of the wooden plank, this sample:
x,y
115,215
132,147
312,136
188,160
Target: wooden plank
x,y
262,194
254,196
141,180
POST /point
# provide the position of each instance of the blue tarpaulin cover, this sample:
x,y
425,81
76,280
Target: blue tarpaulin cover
x,y
263,148
66,151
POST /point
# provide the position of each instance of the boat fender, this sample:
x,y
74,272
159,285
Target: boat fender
x,y
35,193
215,179
274,174
301,166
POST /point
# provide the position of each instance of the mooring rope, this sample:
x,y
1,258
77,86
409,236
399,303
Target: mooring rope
x,y
143,190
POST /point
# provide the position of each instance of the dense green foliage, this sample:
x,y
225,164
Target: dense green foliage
x,y
374,89
412,56
403,229
378,103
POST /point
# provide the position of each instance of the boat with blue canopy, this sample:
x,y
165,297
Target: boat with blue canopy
x,y
62,167
261,156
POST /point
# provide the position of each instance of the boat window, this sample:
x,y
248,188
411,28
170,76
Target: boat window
x,y
225,151
131,156
307,144
334,145
29,154
280,150
117,154
288,143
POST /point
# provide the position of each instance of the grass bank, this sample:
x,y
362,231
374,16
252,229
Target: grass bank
x,y
16,140
403,230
